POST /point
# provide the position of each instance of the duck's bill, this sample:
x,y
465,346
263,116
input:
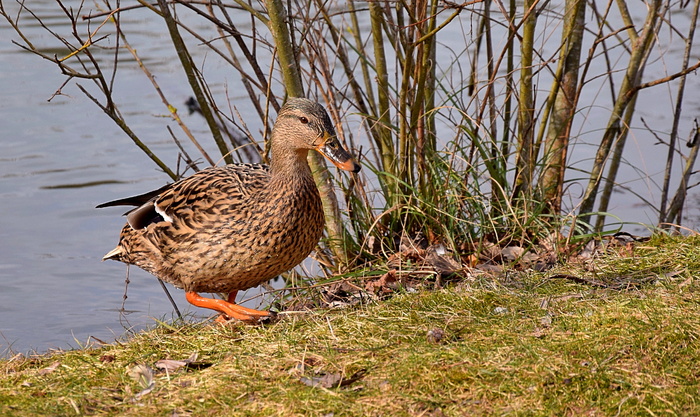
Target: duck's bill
x,y
334,151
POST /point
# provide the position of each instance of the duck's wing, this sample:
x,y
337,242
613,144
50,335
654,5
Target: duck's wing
x,y
213,192
204,192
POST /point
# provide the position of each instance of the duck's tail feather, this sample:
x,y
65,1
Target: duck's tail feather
x,y
115,254
137,200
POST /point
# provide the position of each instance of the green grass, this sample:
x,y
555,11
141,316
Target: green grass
x,y
528,345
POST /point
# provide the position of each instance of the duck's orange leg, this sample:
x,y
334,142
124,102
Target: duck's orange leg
x,y
228,308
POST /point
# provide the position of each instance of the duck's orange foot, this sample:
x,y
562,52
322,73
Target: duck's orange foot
x,y
267,317
228,309
224,319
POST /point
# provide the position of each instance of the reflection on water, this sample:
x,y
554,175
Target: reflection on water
x,y
59,159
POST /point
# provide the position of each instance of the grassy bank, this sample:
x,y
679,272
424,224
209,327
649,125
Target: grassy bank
x,y
613,335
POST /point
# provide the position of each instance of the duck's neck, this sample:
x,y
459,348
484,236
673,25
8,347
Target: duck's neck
x,y
290,166
293,188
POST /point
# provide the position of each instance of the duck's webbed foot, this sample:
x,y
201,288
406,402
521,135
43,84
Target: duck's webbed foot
x,y
227,308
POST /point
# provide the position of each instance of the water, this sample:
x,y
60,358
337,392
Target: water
x,y
59,159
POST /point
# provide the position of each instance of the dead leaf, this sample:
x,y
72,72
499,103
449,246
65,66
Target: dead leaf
x,y
385,284
685,283
435,335
470,260
551,242
141,374
49,368
490,252
144,376
500,310
517,253
333,380
325,381
107,358
440,261
512,253
406,260
170,365
539,332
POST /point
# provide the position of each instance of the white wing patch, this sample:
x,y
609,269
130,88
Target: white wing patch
x,y
163,214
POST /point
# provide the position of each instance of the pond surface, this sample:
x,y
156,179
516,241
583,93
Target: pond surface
x,y
59,159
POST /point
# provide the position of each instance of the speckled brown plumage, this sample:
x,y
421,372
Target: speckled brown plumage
x,y
231,228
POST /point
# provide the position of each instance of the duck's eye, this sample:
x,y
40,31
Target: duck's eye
x,y
304,120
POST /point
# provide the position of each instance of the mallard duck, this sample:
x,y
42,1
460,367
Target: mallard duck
x,y
231,228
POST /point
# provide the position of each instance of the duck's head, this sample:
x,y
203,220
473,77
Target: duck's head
x,y
305,125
